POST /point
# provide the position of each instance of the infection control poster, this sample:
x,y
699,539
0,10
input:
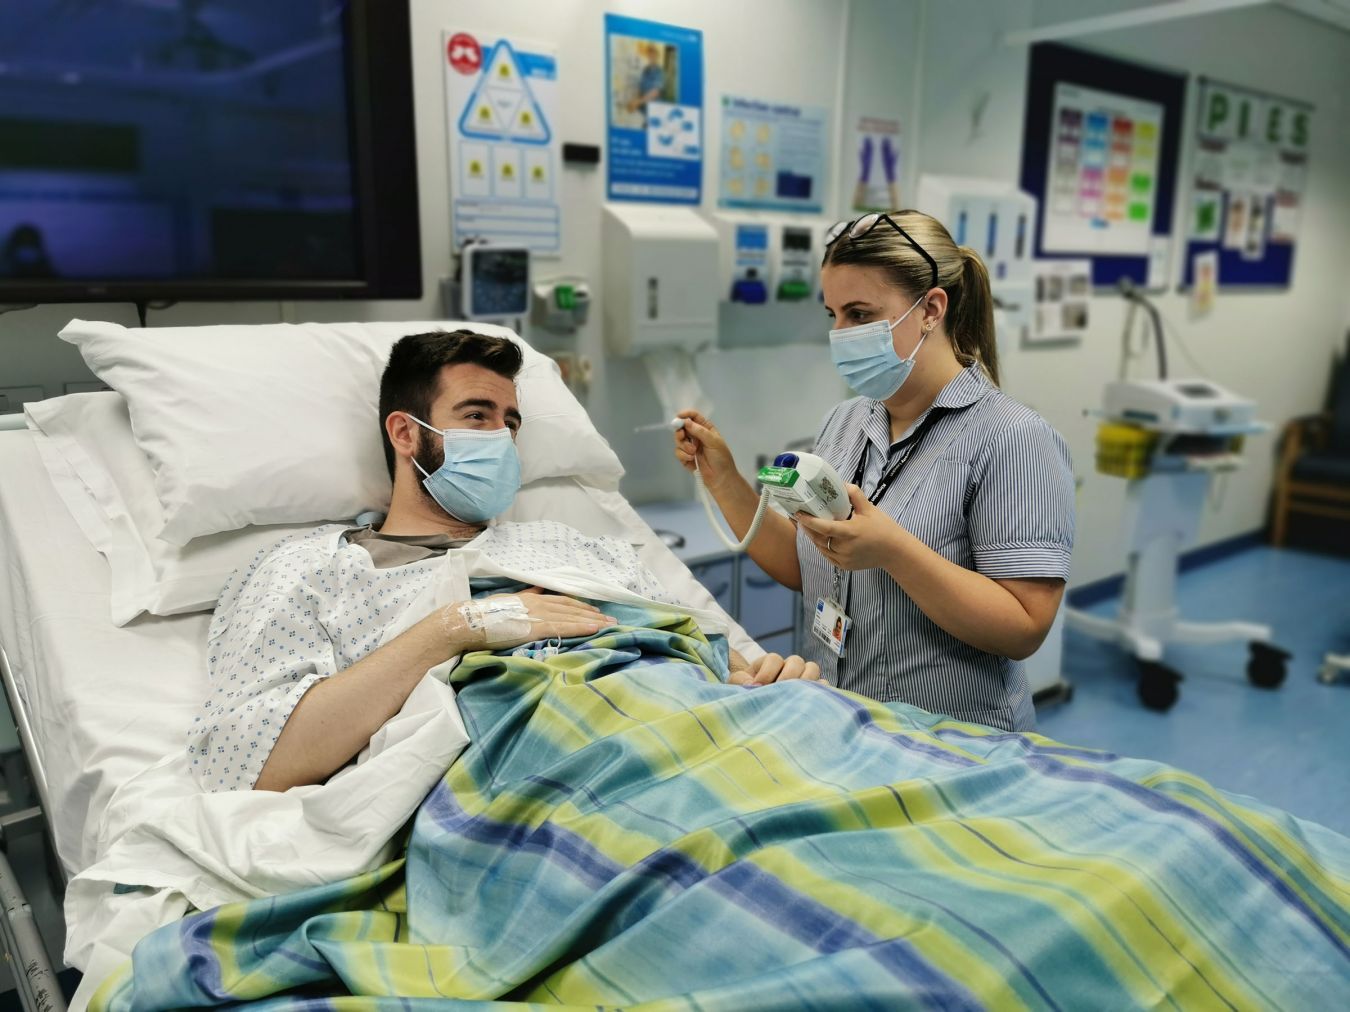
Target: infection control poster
x,y
1102,171
501,104
773,155
654,109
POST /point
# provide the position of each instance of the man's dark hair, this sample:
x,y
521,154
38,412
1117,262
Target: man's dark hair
x,y
412,378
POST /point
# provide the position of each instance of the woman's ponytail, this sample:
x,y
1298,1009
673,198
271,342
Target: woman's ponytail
x,y
970,315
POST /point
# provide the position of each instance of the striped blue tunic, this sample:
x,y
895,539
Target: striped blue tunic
x,y
989,487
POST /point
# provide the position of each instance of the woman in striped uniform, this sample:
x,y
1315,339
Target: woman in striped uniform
x,y
952,566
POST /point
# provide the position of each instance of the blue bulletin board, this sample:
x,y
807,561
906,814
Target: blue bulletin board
x,y
1100,155
1247,177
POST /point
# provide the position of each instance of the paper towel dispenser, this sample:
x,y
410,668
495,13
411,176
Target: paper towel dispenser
x,y
661,278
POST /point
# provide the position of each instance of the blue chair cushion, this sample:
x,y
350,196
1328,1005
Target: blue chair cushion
x,y
1323,468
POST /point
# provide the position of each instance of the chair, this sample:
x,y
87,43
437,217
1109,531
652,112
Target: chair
x,y
1313,475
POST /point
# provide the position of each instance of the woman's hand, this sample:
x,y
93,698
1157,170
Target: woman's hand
x,y
508,620
865,540
700,439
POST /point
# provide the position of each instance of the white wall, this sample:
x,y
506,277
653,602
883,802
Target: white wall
x,y
1274,346
943,70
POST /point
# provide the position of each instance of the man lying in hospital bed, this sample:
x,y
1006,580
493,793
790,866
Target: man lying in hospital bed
x,y
624,826
321,641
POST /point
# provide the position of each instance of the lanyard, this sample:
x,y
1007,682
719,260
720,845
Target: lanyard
x,y
911,445
888,478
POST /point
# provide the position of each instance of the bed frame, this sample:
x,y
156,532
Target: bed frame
x,y
24,950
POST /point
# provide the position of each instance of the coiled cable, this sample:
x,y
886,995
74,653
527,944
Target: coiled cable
x,y
716,523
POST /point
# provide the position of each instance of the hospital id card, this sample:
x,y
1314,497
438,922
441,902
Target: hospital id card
x,y
830,625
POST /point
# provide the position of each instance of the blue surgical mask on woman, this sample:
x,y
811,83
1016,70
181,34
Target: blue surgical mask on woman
x,y
865,356
480,475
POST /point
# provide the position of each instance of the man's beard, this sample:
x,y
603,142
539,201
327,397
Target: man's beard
x,y
430,455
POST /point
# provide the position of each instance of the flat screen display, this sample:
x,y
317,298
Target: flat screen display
x,y
499,282
182,140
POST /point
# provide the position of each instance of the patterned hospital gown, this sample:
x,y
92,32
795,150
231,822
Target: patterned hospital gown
x,y
313,605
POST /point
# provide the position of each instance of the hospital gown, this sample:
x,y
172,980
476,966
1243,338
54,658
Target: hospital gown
x,y
314,605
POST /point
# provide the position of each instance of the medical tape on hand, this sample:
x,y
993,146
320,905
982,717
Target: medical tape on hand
x,y
502,621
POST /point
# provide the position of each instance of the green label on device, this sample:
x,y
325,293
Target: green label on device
x,y
781,477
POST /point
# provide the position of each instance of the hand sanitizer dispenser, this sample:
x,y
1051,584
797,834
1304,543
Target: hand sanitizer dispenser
x,y
743,241
796,264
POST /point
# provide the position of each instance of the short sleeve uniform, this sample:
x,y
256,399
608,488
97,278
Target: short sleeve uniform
x,y
989,486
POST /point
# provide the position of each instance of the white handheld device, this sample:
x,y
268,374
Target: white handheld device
x,y
805,483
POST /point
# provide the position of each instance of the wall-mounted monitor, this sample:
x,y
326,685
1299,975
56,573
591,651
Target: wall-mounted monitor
x,y
207,149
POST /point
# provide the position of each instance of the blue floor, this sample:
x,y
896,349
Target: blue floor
x,y
1288,747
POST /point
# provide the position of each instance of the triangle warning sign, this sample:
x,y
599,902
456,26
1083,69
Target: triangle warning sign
x,y
502,71
502,107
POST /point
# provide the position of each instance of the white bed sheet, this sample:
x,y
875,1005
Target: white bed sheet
x,y
105,703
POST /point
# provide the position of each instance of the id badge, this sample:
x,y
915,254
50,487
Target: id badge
x,y
830,625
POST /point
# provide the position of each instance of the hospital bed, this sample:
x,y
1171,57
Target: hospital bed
x,y
95,704
77,686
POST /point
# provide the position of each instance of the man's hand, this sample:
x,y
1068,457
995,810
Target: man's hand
x,y
508,620
772,668
737,665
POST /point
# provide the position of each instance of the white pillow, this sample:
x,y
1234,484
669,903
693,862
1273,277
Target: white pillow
x,y
278,423
106,482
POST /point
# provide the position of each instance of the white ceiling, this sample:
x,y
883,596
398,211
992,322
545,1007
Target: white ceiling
x,y
1067,19
1332,12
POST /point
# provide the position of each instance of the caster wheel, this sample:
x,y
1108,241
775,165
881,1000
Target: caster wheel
x,y
1158,685
1267,666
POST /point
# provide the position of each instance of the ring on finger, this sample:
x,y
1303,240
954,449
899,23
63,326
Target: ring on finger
x,y
827,544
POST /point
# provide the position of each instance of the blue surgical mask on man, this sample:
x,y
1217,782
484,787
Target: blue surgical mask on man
x,y
865,356
479,476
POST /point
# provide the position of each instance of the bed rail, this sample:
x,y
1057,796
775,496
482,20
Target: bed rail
x,y
34,981
27,740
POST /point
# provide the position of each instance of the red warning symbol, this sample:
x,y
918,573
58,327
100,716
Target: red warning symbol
x,y
464,53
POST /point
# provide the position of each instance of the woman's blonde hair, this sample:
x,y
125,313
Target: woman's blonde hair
x,y
960,273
